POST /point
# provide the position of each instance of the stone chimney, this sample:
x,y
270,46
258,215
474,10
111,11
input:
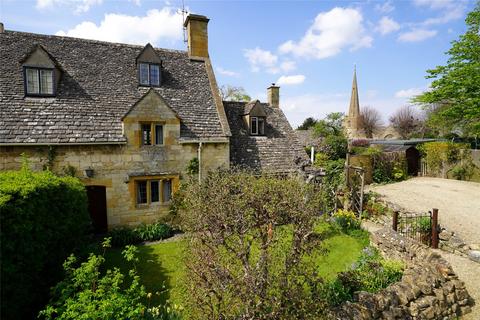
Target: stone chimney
x,y
273,95
197,34
2,29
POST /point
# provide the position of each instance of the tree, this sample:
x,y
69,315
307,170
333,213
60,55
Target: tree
x,y
307,124
406,121
231,93
250,239
331,125
372,121
456,88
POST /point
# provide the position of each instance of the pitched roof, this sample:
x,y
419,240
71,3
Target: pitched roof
x,y
98,86
307,138
277,151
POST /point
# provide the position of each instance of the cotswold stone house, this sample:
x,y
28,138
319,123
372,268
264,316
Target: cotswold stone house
x,y
128,120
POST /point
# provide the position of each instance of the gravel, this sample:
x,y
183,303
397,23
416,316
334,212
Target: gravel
x,y
458,202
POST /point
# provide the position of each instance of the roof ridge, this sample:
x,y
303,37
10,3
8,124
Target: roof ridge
x,y
94,41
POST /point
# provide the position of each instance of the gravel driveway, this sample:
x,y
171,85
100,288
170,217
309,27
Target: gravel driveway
x,y
458,202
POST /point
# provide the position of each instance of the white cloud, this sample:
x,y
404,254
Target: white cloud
x,y
448,10
263,59
80,6
416,35
156,25
408,93
260,58
434,4
331,32
227,73
137,2
288,65
385,7
387,25
291,80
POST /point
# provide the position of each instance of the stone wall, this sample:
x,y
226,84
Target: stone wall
x,y
429,288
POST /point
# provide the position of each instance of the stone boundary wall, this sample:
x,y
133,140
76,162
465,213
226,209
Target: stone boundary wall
x,y
449,240
429,288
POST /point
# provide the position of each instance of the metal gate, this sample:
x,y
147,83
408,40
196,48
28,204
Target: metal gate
x,y
421,227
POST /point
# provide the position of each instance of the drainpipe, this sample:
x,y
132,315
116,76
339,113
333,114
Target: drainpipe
x,y
199,161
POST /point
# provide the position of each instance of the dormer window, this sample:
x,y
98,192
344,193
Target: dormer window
x,y
257,126
149,74
39,81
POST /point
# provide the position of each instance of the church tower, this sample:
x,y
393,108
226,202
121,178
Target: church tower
x,y
353,121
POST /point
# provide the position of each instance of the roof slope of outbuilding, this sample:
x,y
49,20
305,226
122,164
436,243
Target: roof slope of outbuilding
x,y
277,151
98,86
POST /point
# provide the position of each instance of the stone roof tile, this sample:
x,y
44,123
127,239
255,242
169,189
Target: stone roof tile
x,y
277,151
98,86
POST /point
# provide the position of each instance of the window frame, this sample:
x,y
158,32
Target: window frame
x,y
153,133
161,189
150,84
260,131
39,94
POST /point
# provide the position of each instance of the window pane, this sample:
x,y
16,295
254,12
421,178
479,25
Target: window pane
x,y
154,74
261,126
167,190
46,81
155,191
32,81
158,134
144,73
254,129
146,134
141,192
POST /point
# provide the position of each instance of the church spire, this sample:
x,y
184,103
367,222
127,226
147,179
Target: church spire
x,y
354,110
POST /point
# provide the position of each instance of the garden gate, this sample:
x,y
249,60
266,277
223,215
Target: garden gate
x,y
356,184
421,227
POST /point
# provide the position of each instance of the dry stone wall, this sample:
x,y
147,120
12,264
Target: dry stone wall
x,y
429,288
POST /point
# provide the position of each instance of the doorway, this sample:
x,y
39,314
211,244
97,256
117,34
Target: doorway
x,y
97,207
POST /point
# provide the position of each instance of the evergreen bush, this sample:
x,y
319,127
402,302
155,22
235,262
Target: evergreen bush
x,y
44,218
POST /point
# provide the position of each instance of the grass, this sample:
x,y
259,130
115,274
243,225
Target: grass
x,y
162,268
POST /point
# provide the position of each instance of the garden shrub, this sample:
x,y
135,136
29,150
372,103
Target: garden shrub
x,y
88,293
122,236
443,156
388,167
250,242
44,218
370,273
346,220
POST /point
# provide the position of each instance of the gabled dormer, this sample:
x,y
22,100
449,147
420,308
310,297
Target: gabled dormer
x,y
41,73
255,118
149,66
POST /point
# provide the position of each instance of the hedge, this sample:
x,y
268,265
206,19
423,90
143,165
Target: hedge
x,y
43,219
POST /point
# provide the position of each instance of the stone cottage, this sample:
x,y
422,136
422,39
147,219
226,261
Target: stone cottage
x,y
262,139
127,120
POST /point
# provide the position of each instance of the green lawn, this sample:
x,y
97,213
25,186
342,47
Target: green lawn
x,y
162,269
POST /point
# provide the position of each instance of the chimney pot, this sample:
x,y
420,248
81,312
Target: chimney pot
x,y
273,95
197,34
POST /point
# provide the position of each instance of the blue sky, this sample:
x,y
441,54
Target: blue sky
x,y
309,48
